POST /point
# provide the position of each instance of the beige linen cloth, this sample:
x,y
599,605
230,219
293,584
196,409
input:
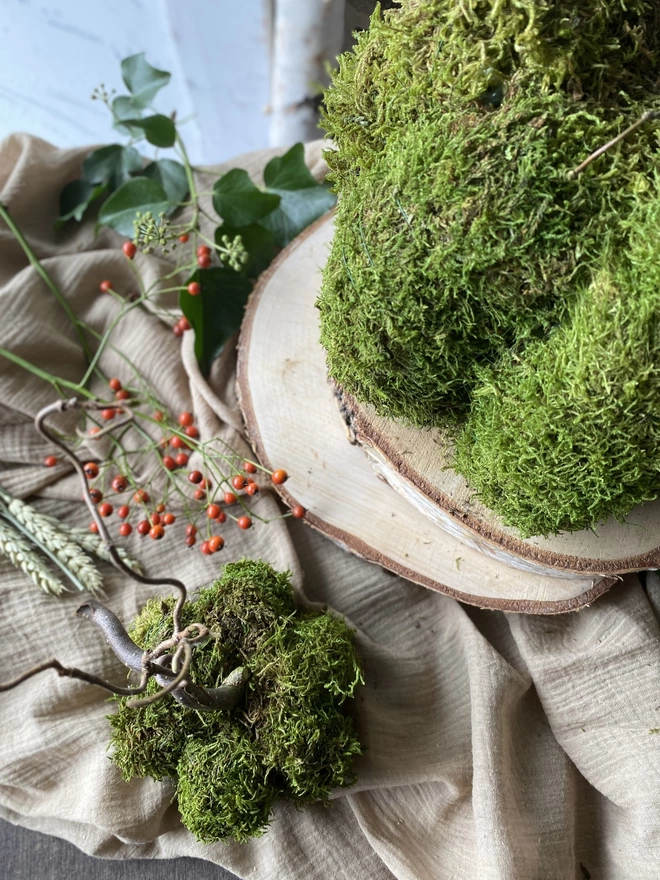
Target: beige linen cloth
x,y
498,746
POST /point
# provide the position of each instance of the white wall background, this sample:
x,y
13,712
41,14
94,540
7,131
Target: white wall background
x,y
242,72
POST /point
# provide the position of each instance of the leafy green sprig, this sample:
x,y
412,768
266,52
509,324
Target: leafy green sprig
x,y
137,198
145,200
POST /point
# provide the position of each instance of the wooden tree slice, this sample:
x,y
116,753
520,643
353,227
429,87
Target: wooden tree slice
x,y
293,421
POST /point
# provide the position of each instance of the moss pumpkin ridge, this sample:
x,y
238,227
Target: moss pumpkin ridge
x,y
463,245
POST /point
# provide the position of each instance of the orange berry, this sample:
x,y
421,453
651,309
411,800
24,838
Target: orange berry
x,y
91,469
154,519
144,527
119,483
244,522
213,510
252,488
184,237
185,324
230,498
178,331
125,529
239,482
178,442
156,532
298,511
181,459
216,543
108,414
106,509
206,550
191,431
141,496
160,508
93,430
203,250
191,529
50,460
105,286
194,288
195,477
221,517
96,495
200,494
115,384
185,419
249,467
168,519
191,540
123,394
129,249
94,529
278,477
123,511
169,462
158,416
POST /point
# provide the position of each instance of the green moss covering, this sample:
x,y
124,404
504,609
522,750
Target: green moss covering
x,y
571,434
462,241
289,737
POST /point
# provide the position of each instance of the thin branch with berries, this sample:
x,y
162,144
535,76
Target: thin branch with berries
x,y
170,661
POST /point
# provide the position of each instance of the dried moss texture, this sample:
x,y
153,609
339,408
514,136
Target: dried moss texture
x,y
463,244
289,738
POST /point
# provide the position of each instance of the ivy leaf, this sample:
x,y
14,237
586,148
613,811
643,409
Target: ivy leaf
x,y
137,194
112,165
75,198
258,243
171,176
142,80
216,313
124,107
296,211
159,130
289,171
239,202
302,199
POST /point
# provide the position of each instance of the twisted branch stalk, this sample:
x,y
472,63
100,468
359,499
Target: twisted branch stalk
x,y
172,680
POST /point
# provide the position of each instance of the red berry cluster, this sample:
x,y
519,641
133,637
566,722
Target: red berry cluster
x,y
180,438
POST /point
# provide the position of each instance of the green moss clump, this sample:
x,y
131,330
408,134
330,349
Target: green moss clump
x,y
290,737
570,434
462,241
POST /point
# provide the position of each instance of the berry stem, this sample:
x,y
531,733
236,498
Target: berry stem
x,y
48,281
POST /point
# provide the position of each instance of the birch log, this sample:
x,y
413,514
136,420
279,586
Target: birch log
x,y
307,35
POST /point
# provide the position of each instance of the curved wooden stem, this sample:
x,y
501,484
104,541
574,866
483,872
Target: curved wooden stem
x,y
172,680
75,403
73,672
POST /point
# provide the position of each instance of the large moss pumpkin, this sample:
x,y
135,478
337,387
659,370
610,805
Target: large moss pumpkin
x,y
475,282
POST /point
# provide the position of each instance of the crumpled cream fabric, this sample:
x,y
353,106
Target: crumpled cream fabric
x,y
498,747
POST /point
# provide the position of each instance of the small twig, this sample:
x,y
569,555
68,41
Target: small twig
x,y
48,281
72,672
646,117
173,685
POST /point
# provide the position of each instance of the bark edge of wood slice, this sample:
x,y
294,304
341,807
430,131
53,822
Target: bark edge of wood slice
x,y
293,420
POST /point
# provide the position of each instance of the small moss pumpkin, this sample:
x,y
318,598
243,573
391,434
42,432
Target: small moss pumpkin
x,y
290,737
